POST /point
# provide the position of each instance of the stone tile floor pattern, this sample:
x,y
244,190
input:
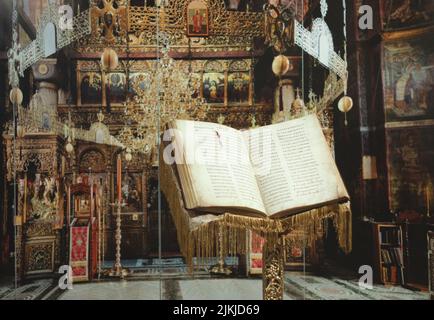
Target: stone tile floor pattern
x,y
119,290
298,286
301,286
30,291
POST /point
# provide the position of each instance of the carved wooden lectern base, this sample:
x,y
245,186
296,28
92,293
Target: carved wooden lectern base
x,y
272,266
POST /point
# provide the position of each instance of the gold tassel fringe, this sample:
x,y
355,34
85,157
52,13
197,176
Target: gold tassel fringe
x,y
202,236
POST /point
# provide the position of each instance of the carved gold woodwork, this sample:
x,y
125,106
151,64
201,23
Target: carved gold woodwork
x,y
273,270
87,153
109,20
41,248
196,68
219,65
40,255
228,30
43,151
35,230
88,65
92,159
235,115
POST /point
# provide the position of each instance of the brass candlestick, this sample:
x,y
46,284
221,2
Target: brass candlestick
x,y
117,270
221,268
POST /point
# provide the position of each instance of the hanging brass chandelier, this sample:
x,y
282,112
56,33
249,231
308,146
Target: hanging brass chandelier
x,y
166,93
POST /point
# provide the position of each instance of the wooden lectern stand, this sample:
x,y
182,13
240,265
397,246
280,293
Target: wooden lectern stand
x,y
199,234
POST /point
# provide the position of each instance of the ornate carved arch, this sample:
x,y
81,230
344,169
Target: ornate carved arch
x,y
31,159
93,158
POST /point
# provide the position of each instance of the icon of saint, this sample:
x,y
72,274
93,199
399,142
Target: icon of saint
x,y
197,22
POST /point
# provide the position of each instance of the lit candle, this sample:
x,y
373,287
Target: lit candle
x,y
119,178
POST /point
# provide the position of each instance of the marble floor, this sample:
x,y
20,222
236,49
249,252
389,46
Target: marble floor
x,y
301,286
331,283
211,289
120,290
298,286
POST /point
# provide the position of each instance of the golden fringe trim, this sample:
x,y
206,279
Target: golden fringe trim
x,y
226,234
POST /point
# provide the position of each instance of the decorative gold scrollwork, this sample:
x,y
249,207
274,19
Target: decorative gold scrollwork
x,y
273,268
109,19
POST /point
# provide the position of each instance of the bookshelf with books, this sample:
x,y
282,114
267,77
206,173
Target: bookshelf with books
x,y
388,253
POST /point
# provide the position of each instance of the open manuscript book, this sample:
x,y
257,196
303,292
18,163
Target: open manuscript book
x,y
275,171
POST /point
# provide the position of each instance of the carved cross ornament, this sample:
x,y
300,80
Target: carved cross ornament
x,y
109,19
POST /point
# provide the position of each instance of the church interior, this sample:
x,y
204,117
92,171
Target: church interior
x,y
90,94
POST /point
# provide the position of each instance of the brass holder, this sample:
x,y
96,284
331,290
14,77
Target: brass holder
x,y
221,268
117,271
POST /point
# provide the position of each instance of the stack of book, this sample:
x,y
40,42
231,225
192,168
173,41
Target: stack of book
x,y
392,264
392,256
389,236
391,253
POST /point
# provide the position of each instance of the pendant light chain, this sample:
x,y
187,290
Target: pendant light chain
x,y
344,5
